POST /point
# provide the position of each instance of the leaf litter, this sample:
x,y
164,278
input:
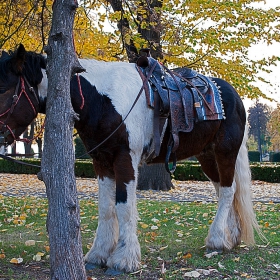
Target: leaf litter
x,y
31,186
87,188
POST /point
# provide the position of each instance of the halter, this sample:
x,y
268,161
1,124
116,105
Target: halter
x,y
6,130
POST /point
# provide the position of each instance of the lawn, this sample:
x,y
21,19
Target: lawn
x,y
171,236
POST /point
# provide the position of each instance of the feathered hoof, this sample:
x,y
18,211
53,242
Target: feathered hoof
x,y
114,272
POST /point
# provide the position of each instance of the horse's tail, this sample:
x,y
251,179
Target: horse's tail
x,y
242,199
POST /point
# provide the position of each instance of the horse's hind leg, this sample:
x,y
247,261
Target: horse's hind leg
x,y
235,218
224,232
107,231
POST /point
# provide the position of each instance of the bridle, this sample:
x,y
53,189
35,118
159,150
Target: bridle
x,y
19,92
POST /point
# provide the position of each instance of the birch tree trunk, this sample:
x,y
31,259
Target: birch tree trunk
x,y
63,221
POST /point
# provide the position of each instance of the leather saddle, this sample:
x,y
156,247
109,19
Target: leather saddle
x,y
178,98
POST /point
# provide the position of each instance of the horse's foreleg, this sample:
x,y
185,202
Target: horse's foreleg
x,y
127,254
107,231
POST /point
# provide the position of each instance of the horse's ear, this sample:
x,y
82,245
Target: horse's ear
x,y
4,54
143,61
18,59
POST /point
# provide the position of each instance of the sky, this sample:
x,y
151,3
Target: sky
x,y
260,51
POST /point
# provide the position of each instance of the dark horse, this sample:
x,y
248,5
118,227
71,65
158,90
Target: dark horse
x,y
109,90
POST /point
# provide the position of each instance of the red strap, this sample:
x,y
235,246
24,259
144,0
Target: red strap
x,y
81,93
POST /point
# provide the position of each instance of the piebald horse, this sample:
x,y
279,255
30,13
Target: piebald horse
x,y
109,90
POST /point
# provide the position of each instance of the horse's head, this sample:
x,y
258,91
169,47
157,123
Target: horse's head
x,y
20,75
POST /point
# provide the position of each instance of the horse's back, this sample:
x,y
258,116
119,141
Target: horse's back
x,y
233,105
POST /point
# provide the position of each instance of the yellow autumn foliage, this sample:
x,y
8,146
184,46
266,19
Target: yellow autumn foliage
x,y
213,37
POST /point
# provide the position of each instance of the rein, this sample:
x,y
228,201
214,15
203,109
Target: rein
x,y
109,136
18,161
6,130
134,103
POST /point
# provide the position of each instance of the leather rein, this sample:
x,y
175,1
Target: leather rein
x,y
19,92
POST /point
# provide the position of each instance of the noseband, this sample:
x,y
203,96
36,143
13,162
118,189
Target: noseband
x,y
6,130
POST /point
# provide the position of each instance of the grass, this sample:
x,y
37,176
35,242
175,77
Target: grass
x,y
171,236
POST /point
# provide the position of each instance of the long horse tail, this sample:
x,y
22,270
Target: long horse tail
x,y
243,198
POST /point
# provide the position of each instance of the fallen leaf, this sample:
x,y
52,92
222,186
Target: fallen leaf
x,y
204,271
221,266
210,255
192,274
162,248
162,269
47,248
30,242
37,258
187,256
144,225
16,260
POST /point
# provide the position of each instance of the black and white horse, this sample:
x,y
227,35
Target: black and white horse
x,y
109,90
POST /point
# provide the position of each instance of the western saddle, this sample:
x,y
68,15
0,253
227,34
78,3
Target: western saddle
x,y
179,98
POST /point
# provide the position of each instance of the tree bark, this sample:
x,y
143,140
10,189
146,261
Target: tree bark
x,y
152,30
154,177
63,221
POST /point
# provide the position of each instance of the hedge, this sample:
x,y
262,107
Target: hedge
x,y
188,170
83,168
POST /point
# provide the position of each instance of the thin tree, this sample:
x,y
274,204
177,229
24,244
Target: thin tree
x,y
63,220
148,17
258,116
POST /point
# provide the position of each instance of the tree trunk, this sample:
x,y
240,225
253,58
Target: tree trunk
x,y
63,221
152,25
154,177
14,148
27,146
259,136
40,144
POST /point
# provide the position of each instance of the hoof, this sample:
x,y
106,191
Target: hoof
x,y
209,251
91,266
113,272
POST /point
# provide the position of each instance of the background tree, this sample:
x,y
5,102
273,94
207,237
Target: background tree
x,y
273,129
213,37
258,117
152,176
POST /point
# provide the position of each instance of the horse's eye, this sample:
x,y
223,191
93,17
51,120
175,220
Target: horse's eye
x,y
2,90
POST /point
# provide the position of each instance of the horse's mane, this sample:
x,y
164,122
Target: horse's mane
x,y
31,69
4,61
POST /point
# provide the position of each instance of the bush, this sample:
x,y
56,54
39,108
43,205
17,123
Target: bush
x,y
83,168
80,150
275,157
254,156
268,172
